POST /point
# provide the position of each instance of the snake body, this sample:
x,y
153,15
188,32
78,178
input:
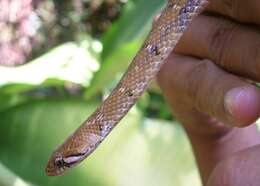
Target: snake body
x,y
162,39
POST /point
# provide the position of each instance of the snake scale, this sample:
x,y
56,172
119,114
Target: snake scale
x,y
161,41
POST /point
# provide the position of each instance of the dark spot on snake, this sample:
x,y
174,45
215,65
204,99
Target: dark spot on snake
x,y
129,93
182,11
100,127
153,49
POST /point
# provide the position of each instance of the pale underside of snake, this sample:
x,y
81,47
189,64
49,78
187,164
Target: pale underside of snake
x,y
161,41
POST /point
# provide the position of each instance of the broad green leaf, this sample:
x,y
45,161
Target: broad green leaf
x,y
8,178
34,129
154,153
9,100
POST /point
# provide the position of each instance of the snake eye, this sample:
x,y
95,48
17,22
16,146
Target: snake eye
x,y
59,162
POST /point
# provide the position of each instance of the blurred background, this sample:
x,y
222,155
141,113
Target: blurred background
x,y
58,60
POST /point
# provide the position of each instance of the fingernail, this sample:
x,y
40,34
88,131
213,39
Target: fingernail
x,y
232,98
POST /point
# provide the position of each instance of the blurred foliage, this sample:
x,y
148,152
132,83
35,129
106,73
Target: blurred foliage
x,y
84,47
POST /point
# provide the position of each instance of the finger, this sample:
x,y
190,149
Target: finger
x,y
240,10
211,90
232,46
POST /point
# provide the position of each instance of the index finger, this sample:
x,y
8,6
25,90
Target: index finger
x,y
239,10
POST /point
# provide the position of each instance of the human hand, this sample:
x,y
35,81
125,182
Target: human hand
x,y
212,97
216,95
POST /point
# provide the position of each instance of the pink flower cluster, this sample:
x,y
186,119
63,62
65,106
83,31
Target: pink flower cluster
x,y
18,24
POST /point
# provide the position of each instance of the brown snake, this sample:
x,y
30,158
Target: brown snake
x,y
164,36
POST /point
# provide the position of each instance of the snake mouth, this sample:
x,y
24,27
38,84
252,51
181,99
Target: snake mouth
x,y
55,166
52,170
59,172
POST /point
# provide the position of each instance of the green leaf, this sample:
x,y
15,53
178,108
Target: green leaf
x,y
122,41
68,62
133,24
9,100
34,129
157,150
8,178
109,70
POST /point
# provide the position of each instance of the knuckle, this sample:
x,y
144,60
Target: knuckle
x,y
220,39
202,89
196,79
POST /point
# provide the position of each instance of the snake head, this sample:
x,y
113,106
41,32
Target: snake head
x,y
59,163
71,153
75,149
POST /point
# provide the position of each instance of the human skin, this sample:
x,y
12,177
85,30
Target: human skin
x,y
208,81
